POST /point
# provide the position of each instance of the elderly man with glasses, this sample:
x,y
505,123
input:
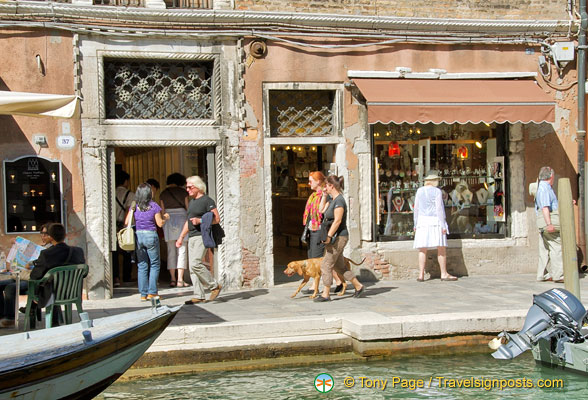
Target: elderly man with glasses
x,y
199,205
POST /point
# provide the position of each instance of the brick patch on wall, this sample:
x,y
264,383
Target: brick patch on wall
x,y
376,263
249,157
488,9
250,267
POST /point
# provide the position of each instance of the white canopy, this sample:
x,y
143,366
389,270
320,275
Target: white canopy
x,y
38,104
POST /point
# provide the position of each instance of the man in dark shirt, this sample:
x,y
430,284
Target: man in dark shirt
x,y
199,205
57,255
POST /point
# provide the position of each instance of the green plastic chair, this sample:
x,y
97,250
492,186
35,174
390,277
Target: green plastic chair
x,y
67,289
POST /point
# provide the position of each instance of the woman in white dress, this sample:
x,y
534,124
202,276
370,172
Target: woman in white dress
x,y
174,201
430,225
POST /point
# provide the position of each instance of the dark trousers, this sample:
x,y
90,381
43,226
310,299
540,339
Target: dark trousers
x,y
8,297
126,264
8,301
316,249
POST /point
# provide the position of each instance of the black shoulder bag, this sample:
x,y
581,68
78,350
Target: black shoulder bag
x,y
325,226
305,238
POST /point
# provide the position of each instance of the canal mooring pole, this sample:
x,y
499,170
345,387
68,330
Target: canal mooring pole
x,y
568,236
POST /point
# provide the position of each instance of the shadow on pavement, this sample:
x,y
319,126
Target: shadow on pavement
x,y
241,295
377,290
192,314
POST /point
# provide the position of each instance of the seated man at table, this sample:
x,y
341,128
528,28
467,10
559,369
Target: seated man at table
x,y
57,255
24,284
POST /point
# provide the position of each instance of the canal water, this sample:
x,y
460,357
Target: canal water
x,y
467,376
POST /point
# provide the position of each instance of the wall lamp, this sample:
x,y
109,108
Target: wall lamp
x,y
480,143
40,65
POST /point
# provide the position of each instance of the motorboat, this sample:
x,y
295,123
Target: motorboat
x,y
553,330
80,360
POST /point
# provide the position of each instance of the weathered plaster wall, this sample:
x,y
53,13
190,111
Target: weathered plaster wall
x,y
251,210
287,63
503,9
19,73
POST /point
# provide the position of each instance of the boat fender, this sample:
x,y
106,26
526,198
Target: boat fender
x,y
497,342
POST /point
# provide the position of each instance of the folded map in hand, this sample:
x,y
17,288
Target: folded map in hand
x,y
23,252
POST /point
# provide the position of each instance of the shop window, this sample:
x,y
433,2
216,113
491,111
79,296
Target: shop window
x,y
158,89
471,161
32,187
292,164
302,112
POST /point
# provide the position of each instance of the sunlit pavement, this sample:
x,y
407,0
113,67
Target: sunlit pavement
x,y
389,298
389,310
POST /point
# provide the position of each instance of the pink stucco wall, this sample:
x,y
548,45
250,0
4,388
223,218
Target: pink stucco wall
x,y
19,73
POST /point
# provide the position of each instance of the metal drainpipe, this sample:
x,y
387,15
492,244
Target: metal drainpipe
x,y
582,162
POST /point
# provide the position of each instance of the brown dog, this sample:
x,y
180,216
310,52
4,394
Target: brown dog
x,y
311,268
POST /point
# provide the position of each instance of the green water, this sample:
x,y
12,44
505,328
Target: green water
x,y
436,373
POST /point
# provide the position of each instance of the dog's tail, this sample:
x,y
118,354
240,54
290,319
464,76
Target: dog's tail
x,y
353,262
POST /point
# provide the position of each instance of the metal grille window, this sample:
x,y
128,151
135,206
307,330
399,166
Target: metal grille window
x,y
302,112
160,89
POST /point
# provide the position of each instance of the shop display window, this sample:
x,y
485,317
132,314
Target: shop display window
x,y
471,162
292,164
32,193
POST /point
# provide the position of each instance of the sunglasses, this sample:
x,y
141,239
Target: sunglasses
x,y
190,187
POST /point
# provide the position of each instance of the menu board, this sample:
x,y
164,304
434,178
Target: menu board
x,y
32,193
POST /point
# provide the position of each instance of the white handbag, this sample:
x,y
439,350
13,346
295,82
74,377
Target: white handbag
x,y
126,236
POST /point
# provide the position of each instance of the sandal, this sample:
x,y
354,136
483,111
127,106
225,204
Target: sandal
x,y
182,284
450,278
172,284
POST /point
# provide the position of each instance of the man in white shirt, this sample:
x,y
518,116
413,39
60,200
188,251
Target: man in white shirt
x,y
550,265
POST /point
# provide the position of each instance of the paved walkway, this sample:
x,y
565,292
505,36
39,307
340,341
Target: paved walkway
x,y
267,322
388,298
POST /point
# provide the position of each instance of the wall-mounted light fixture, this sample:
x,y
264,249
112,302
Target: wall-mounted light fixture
x,y
480,143
41,140
40,65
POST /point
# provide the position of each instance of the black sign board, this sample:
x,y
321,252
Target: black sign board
x,y
32,193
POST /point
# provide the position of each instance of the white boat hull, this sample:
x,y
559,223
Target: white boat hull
x,y
62,364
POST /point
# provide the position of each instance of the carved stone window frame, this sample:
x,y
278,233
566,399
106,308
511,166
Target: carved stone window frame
x,y
337,106
164,56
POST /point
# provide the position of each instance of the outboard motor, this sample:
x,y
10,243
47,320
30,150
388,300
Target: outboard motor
x,y
557,313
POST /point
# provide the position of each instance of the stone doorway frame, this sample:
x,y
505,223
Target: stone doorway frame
x,y
337,140
107,187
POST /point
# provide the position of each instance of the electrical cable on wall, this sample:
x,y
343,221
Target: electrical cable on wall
x,y
247,31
